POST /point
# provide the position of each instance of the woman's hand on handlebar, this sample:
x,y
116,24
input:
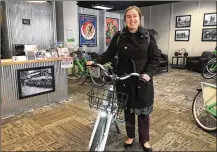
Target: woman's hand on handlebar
x,y
89,63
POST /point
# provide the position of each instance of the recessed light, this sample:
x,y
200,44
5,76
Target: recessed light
x,y
37,1
102,7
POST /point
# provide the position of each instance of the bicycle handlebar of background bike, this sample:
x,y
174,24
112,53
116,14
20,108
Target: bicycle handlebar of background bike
x,y
119,78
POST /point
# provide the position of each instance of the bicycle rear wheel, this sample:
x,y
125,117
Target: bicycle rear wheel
x,y
97,76
100,82
203,119
97,139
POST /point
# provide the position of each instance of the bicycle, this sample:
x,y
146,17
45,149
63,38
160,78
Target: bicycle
x,y
80,70
204,107
210,70
111,104
108,66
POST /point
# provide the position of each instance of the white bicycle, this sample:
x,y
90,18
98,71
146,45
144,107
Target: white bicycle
x,y
111,104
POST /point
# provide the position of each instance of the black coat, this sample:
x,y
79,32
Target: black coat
x,y
141,49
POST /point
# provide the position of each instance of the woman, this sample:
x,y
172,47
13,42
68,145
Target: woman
x,y
137,52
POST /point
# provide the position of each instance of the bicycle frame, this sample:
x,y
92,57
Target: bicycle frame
x,y
213,66
209,107
82,66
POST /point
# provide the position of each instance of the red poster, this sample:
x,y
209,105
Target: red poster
x,y
112,26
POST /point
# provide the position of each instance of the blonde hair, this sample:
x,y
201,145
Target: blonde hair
x,y
133,7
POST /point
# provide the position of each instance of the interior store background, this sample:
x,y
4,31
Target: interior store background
x,y
49,24
43,17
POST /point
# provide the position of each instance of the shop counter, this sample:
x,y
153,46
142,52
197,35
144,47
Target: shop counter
x,y
26,85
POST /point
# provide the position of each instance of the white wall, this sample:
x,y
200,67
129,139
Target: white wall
x,y
163,17
160,21
200,46
184,8
146,14
196,9
70,20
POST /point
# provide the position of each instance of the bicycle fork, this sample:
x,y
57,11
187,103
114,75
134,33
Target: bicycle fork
x,y
101,145
105,136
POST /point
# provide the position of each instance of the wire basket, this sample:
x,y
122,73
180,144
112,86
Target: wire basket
x,y
100,98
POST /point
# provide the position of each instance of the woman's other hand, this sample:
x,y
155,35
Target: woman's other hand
x,y
145,77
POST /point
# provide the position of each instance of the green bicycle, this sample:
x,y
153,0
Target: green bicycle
x,y
210,70
80,70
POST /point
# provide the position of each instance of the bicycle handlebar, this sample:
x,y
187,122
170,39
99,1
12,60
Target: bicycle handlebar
x,y
119,78
79,52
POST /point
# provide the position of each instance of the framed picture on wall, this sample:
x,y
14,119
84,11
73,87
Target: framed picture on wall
x,y
182,35
183,21
209,19
88,30
209,34
112,26
35,81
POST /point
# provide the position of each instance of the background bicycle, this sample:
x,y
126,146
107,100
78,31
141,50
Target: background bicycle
x,y
210,70
79,69
204,107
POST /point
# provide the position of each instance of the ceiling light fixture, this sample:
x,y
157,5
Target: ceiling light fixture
x,y
102,7
37,1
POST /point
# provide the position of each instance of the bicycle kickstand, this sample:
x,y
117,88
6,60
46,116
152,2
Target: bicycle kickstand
x,y
116,125
84,80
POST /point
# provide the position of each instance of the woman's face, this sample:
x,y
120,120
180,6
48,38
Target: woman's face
x,y
132,19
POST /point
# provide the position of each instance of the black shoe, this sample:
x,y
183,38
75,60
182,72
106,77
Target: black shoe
x,y
146,149
128,145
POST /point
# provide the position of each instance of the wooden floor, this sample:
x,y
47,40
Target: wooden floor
x,y
66,126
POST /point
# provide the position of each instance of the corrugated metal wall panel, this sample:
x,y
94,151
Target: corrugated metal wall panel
x,y
42,28
9,89
61,81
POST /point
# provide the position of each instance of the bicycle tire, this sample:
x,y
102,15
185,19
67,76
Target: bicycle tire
x,y
211,74
213,62
199,123
76,73
108,80
97,139
94,80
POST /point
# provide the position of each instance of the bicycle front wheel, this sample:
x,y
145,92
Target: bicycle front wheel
x,y
203,119
209,70
97,139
